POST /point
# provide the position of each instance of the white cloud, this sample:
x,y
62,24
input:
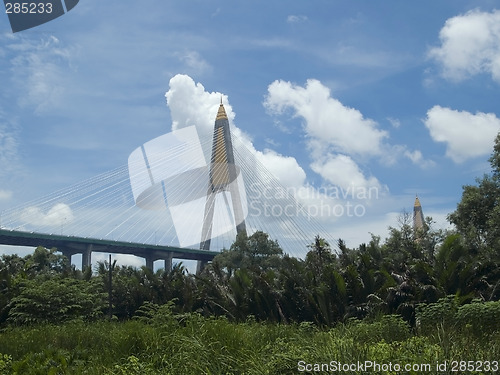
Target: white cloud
x,y
466,135
394,122
39,72
341,133
8,146
296,18
470,45
395,153
327,120
190,104
59,214
332,129
342,171
417,158
284,168
414,156
194,62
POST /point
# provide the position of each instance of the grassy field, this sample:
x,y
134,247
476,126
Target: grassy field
x,y
191,344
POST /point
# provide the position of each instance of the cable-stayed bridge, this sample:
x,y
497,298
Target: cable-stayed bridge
x,y
168,202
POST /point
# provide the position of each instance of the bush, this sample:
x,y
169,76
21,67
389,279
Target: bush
x,y
56,301
430,317
481,318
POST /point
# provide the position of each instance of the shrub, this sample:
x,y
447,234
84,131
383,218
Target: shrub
x,y
479,317
482,318
55,301
431,316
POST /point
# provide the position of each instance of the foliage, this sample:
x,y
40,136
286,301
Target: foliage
x,y
133,366
256,252
195,345
430,317
478,213
477,318
49,361
388,328
480,318
5,363
55,300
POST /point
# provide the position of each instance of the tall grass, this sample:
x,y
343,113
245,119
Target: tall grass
x,y
196,345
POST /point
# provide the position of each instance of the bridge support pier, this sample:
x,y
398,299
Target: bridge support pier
x,y
149,261
67,254
87,257
168,262
200,265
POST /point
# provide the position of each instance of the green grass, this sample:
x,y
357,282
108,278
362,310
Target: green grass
x,y
196,345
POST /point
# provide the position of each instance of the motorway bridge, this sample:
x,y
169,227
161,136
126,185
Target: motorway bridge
x,y
69,245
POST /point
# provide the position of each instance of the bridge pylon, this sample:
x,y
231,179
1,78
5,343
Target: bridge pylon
x,y
223,174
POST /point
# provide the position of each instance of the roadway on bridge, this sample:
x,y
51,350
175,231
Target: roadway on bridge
x,y
75,245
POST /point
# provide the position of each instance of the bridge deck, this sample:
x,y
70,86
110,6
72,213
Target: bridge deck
x,y
74,245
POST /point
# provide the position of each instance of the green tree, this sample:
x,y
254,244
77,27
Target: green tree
x,y
255,252
319,256
247,279
478,212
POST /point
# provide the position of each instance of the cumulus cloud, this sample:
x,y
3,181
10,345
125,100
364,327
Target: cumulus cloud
x,y
332,129
59,214
285,168
342,171
327,120
338,136
470,45
190,104
466,135
268,200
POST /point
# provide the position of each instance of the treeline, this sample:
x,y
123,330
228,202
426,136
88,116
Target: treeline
x,y
254,277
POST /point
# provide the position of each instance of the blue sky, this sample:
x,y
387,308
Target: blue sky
x,y
385,94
